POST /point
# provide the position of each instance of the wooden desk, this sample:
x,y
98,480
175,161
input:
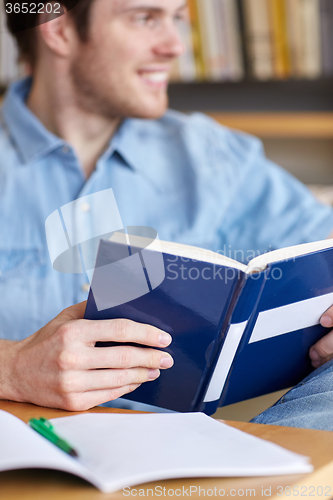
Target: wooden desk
x,y
52,485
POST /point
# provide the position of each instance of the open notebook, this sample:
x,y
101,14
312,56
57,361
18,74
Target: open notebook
x,y
120,451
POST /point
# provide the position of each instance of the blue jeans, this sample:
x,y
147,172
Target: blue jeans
x,y
309,404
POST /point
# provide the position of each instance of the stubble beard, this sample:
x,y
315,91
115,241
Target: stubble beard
x,y
93,95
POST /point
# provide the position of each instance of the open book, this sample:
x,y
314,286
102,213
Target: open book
x,y
238,331
120,451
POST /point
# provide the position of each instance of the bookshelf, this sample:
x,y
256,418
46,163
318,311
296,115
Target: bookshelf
x,y
274,109
306,125
254,96
294,118
284,109
280,88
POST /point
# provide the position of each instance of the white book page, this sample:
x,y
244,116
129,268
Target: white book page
x,y
260,262
202,255
180,250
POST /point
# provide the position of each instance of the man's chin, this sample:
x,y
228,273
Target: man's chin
x,y
152,112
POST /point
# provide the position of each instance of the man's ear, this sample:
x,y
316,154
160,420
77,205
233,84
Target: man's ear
x,y
57,34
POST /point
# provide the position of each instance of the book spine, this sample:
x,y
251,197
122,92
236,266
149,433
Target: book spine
x,y
187,71
280,44
331,38
326,18
242,307
9,67
258,38
209,405
196,38
233,41
312,39
295,36
243,314
214,59
222,37
242,33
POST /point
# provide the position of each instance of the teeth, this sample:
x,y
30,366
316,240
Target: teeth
x,y
156,77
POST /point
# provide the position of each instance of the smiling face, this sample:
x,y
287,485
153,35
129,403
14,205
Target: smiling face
x,y
123,69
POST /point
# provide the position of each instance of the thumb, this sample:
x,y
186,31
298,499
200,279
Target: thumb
x,y
322,351
74,312
327,318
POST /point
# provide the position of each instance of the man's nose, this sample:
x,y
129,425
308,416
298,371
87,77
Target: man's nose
x,y
171,44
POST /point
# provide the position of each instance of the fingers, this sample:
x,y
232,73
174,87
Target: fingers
x,y
322,351
122,330
86,400
72,382
327,318
114,330
61,367
118,357
130,357
79,375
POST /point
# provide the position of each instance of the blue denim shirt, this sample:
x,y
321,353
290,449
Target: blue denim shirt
x,y
192,180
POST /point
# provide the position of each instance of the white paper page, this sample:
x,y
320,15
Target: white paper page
x,y
22,448
261,261
125,450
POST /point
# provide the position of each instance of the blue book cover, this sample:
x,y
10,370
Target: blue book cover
x,y
238,331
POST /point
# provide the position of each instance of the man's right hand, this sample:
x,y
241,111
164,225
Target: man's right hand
x,y
59,366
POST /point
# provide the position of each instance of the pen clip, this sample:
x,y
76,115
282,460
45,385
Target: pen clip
x,y
42,424
45,422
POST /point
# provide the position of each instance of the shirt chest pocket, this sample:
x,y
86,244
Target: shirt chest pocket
x,y
21,292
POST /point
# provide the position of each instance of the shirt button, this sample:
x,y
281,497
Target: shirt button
x,y
85,287
65,149
85,207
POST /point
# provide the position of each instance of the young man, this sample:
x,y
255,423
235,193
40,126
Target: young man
x,y
93,116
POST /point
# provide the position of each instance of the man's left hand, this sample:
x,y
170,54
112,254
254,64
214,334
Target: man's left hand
x,y
322,351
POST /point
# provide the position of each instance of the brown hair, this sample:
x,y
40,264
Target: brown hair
x,y
22,26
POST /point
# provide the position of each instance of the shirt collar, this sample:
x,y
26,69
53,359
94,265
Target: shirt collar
x,y
153,148
32,139
133,141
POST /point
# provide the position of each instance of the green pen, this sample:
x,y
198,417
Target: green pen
x,y
46,429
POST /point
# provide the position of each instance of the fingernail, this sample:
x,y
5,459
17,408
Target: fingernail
x,y
166,362
326,321
165,339
314,355
153,374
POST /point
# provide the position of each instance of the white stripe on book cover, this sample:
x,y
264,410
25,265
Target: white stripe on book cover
x,y
225,360
291,317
